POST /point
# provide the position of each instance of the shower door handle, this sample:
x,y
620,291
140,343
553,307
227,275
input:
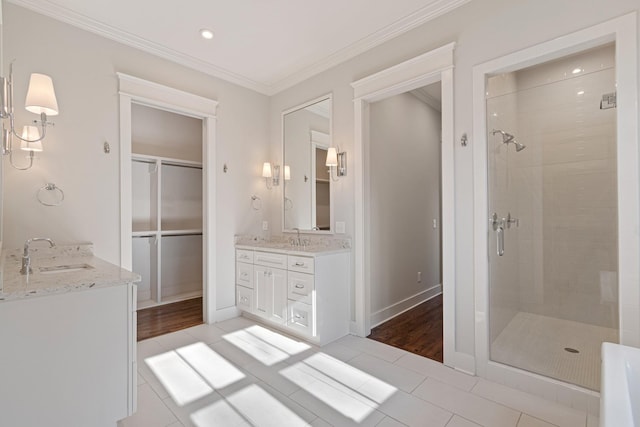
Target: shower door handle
x,y
500,240
498,227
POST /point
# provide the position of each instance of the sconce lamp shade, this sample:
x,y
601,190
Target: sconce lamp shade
x,y
332,157
266,170
32,134
287,172
41,98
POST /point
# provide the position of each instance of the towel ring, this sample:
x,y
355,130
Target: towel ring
x,y
57,191
256,203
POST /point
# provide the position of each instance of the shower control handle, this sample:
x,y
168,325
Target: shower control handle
x,y
508,221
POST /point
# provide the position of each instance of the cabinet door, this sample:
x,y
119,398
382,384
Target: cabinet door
x,y
279,295
270,286
262,288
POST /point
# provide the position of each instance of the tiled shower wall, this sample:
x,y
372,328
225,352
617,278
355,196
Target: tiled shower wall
x,y
562,188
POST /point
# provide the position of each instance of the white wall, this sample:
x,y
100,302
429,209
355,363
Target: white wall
x,y
405,199
483,30
83,67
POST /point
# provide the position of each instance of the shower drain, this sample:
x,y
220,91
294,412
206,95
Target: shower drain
x,y
571,350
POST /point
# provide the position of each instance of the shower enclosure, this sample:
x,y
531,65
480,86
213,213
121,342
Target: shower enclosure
x,y
553,233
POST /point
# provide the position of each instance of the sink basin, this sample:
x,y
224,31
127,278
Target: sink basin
x,y
56,269
620,389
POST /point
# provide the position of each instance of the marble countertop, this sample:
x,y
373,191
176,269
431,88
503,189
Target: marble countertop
x,y
315,245
97,274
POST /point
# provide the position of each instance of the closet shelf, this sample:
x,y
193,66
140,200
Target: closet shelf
x,y
146,158
184,232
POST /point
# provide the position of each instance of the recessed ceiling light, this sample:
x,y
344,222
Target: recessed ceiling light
x,y
206,34
577,70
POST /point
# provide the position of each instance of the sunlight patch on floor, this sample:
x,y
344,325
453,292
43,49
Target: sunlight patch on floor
x,y
350,391
264,345
262,409
212,367
178,378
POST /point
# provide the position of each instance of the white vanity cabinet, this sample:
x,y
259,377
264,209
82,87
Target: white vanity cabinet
x,y
69,358
270,277
306,294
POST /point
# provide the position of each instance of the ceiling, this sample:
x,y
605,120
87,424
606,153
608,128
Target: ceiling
x,y
265,45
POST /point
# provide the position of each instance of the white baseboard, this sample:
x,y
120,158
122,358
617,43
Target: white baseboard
x,y
353,328
406,304
223,314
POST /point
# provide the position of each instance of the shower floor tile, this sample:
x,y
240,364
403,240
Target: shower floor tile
x,y
539,344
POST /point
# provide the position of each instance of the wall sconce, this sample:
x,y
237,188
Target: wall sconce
x,y
41,99
271,179
338,160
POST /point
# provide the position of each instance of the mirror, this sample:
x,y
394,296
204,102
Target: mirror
x,y
306,137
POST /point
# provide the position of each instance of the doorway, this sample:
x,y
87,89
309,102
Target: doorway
x,y
405,240
423,70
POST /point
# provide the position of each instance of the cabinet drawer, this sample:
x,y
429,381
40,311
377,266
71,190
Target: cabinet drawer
x,y
270,259
244,298
303,264
301,317
244,274
244,255
300,286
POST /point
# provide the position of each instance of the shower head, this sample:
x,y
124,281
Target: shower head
x,y
507,138
519,147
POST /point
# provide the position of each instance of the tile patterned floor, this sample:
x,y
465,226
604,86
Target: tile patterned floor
x,y
239,373
537,343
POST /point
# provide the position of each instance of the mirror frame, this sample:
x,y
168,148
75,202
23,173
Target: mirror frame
x,y
325,97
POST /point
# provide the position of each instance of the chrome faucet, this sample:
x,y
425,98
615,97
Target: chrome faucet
x,y
297,241
26,258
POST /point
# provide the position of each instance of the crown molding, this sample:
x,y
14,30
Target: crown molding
x,y
424,97
427,13
83,22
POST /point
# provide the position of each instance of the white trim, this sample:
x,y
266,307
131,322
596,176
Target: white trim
x,y
223,314
423,70
170,99
623,31
423,96
83,22
405,305
428,13
431,11
135,90
320,138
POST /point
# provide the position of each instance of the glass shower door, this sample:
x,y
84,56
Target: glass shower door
x,y
553,217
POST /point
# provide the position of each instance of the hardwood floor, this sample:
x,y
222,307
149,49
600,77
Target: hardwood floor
x,y
167,318
418,330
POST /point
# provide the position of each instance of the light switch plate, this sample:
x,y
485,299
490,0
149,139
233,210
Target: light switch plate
x,y
340,227
265,225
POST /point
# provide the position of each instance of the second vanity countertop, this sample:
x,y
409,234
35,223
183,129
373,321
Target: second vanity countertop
x,y
98,272
317,246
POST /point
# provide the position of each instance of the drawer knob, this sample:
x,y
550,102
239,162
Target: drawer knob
x,y
299,286
299,264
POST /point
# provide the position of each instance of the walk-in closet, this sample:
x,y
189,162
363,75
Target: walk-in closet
x,y
166,171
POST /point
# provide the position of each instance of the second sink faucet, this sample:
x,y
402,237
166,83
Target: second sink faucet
x,y
26,257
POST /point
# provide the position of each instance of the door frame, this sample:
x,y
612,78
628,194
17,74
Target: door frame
x,y
139,91
623,31
425,69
